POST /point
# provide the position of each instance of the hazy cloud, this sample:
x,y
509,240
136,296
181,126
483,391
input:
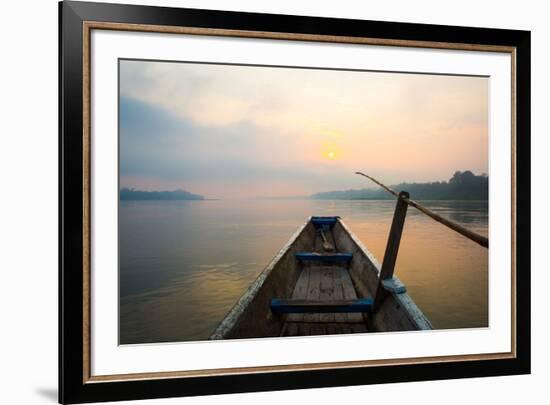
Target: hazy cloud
x,y
229,131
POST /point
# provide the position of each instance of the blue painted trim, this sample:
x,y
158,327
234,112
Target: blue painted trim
x,y
316,257
394,285
324,221
281,306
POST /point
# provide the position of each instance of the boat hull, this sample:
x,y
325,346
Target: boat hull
x,y
253,317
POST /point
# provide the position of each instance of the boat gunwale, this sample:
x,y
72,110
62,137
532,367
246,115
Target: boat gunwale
x,y
413,312
415,315
232,317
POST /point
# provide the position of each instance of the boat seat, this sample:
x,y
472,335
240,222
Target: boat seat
x,y
324,257
324,222
294,306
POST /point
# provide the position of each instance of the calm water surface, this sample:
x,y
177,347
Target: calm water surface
x,y
183,264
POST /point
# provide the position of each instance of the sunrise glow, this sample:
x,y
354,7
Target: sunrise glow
x,y
245,131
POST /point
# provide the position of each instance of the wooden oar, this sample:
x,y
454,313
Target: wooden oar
x,y
479,239
326,245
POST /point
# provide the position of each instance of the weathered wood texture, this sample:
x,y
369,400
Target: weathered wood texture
x,y
300,292
394,285
328,307
392,246
326,244
334,285
251,316
349,293
398,312
334,257
287,277
313,292
328,283
394,238
327,287
364,269
312,329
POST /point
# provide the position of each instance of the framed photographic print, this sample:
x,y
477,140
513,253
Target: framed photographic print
x,y
259,202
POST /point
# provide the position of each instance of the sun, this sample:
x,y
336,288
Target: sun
x,y
330,151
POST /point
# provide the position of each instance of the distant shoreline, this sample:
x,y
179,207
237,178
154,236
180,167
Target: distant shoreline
x,y
127,194
462,186
306,199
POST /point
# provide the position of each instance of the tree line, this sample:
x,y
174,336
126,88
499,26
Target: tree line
x,y
131,194
461,186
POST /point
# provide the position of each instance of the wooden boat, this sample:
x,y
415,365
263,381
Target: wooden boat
x,y
323,281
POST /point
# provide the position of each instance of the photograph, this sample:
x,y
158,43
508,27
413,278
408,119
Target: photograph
x,y
254,201
261,201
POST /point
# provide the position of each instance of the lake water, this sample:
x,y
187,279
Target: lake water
x,y
183,264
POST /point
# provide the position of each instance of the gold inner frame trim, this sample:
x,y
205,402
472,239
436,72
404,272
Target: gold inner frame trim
x,y
88,26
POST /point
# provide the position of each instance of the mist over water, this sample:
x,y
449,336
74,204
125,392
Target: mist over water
x,y
183,264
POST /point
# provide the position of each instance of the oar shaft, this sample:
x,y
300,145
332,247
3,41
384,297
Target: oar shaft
x,y
479,239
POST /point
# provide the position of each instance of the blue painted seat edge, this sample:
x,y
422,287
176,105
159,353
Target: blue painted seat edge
x,y
301,306
333,257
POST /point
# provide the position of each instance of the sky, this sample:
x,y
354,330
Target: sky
x,y
227,131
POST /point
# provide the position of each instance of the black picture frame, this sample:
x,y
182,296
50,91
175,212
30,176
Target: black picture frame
x,y
73,387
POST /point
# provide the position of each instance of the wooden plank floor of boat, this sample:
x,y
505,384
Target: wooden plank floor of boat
x,y
324,283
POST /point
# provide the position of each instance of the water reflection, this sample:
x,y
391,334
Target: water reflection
x,y
183,264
